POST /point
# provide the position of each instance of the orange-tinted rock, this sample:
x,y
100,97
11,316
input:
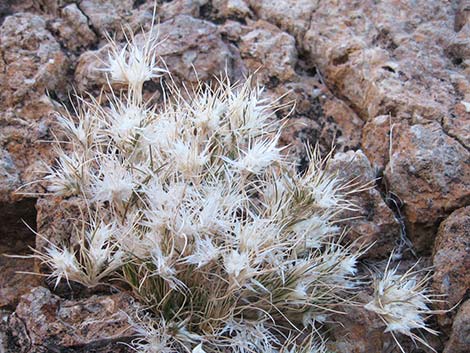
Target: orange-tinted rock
x,y
374,222
430,172
43,322
459,341
451,260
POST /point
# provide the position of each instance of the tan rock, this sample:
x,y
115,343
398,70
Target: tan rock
x,y
189,48
49,323
16,238
451,261
171,9
378,56
232,8
459,341
31,63
291,15
375,222
359,330
318,117
106,15
269,52
72,28
430,172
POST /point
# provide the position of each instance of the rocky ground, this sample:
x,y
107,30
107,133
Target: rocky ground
x,y
387,82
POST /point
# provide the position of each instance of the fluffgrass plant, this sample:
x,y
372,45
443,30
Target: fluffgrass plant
x,y
196,208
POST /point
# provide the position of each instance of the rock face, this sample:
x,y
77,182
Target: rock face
x,y
460,338
385,83
50,324
375,223
430,171
451,260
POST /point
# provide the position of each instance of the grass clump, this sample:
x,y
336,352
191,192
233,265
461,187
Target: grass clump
x,y
193,205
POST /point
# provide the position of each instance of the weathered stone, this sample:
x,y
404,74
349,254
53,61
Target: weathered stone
x,y
374,222
359,330
317,117
171,9
106,15
375,55
73,29
430,172
16,239
451,260
98,323
459,340
189,47
89,75
269,52
56,218
31,63
291,15
232,8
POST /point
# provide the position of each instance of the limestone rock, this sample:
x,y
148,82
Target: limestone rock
x,y
451,260
378,56
171,9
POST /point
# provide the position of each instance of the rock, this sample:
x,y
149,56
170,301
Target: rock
x,y
31,63
374,222
171,9
378,56
189,48
106,16
43,322
73,29
269,52
451,261
16,238
318,117
232,9
376,140
459,340
89,75
430,172
31,60
359,330
56,220
291,15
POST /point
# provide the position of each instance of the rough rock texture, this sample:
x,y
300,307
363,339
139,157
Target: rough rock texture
x,y
375,222
16,239
43,322
431,172
31,62
460,338
380,79
451,259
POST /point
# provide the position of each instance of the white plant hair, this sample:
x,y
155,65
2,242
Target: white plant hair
x,y
194,205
